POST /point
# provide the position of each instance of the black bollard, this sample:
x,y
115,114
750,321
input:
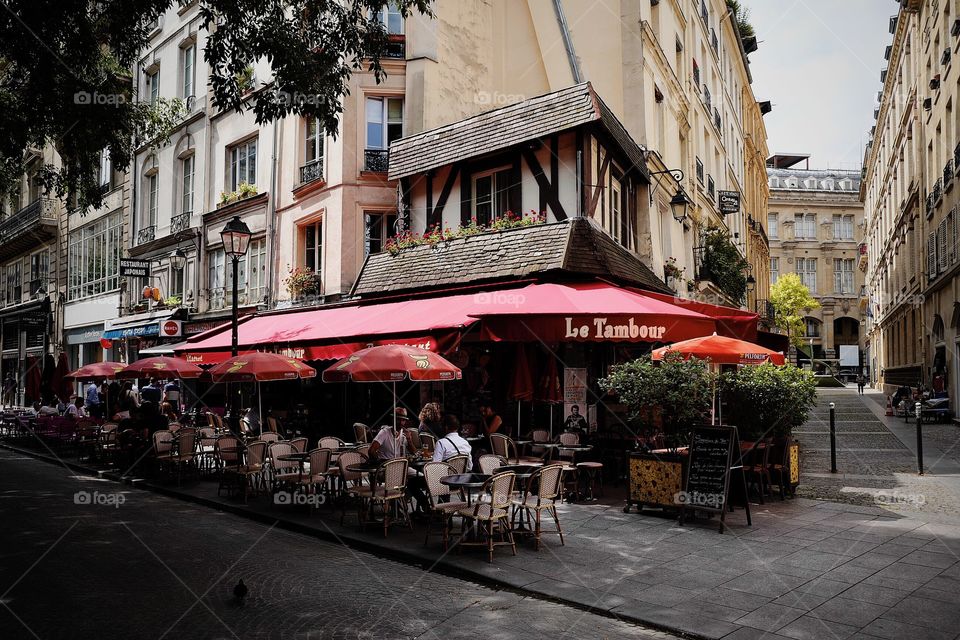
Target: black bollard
x,y
833,438
919,411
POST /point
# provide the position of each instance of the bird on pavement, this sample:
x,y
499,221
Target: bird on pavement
x,y
240,591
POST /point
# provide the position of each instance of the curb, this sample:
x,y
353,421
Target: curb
x,y
388,553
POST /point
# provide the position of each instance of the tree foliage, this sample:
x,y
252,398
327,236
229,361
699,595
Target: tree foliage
x,y
679,390
767,401
790,297
741,15
65,73
723,265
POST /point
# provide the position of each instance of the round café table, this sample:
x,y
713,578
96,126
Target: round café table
x,y
523,472
299,458
465,481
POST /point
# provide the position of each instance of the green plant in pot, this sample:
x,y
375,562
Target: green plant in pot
x,y
674,392
767,401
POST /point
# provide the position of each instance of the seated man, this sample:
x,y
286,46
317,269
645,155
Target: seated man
x,y
391,442
50,408
75,409
452,444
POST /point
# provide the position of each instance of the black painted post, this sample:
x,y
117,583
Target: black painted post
x,y
919,411
833,438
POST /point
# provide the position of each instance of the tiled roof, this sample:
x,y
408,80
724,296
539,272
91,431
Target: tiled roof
x,y
508,126
577,246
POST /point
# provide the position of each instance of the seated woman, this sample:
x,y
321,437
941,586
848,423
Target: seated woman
x,y
430,419
166,410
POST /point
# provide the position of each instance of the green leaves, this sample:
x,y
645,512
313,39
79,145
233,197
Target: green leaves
x,y
767,401
790,297
723,265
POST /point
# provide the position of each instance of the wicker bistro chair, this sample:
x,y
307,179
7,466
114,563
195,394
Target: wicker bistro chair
x,y
251,472
415,441
539,436
299,444
330,442
162,447
391,492
284,472
225,461
542,491
458,463
316,476
107,442
269,437
489,463
428,440
492,515
206,461
351,484
756,468
186,453
440,505
361,432
500,445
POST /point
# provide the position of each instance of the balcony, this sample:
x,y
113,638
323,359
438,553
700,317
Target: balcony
x,y
180,223
311,171
718,122
931,205
711,189
714,42
765,309
147,234
26,229
945,57
396,48
707,99
948,175
862,256
956,156
937,193
376,160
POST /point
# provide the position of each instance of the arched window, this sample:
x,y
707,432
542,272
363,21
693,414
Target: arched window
x,y
938,331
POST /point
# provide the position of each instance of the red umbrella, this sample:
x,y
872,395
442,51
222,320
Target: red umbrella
x,y
31,385
389,363
521,384
549,389
392,362
61,385
96,371
722,350
161,367
261,367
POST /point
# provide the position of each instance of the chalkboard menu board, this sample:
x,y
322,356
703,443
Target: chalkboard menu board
x,y
708,470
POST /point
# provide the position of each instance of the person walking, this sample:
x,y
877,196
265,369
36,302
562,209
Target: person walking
x,y
92,400
861,382
9,390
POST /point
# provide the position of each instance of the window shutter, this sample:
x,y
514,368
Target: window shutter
x,y
952,235
942,246
932,255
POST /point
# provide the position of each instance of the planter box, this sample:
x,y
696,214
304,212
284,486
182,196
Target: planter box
x,y
655,480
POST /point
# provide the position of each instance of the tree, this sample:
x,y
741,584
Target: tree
x,y
789,297
723,265
65,74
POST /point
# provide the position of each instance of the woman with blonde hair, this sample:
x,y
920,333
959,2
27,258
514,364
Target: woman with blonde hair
x,y
430,418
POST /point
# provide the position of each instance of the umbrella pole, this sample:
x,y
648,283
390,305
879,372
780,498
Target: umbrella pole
x,y
394,406
260,406
518,419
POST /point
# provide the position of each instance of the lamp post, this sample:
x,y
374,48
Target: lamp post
x,y
46,308
236,238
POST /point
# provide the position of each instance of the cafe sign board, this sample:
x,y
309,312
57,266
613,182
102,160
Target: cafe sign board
x,y
729,201
134,268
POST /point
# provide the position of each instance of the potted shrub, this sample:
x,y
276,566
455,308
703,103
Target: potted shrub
x,y
767,401
666,399
302,282
246,190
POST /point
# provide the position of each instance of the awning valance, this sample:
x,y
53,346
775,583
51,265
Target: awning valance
x,y
143,325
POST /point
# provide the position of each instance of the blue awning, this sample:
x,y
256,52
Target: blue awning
x,y
139,325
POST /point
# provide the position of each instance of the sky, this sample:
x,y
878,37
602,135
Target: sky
x,y
819,63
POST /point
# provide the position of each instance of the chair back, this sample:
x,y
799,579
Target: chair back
x,y
272,425
500,489
256,452
569,438
346,459
211,421
428,440
458,463
361,432
540,435
269,437
432,472
500,444
489,463
226,442
394,474
162,441
330,442
174,426
108,426
299,445
363,450
186,442
207,433
548,481
278,449
320,461
414,438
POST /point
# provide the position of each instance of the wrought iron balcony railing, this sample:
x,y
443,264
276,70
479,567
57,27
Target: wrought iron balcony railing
x,y
180,223
376,160
765,309
311,171
396,49
147,234
39,212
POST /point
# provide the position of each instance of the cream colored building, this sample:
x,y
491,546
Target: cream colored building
x,y
911,204
815,227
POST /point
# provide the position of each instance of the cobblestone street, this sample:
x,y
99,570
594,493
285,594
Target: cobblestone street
x,y
152,567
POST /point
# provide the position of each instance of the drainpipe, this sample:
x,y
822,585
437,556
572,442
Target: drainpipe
x,y
271,216
567,42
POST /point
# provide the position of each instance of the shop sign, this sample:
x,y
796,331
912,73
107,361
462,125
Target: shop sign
x,y
171,328
729,201
134,268
575,395
602,329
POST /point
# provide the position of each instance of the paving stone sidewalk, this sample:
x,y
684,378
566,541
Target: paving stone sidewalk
x,y
805,569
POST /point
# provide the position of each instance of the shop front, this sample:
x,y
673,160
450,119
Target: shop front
x,y
136,333
23,340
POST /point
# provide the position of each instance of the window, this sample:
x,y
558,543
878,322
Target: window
x,y
773,225
153,86
243,164
774,182
384,121
842,227
391,18
805,226
313,143
811,328
151,217
313,247
807,270
810,183
619,214
14,283
39,270
188,56
491,195
216,281
177,278
106,172
93,258
774,269
257,271
186,204
843,275
378,228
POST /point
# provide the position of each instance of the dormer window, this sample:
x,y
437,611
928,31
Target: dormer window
x,y
828,184
792,183
774,182
810,183
846,184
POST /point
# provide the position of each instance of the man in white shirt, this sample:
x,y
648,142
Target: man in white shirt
x,y
390,443
452,444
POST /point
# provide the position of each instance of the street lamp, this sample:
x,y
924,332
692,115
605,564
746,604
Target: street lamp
x,y
178,259
236,238
678,205
751,283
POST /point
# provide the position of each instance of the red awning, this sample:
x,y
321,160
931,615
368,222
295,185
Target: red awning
x,y
732,323
582,312
587,312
